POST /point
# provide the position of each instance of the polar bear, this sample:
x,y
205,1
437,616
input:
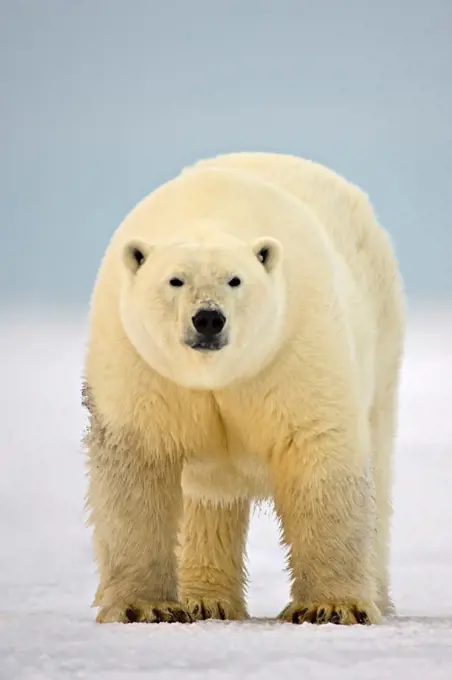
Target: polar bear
x,y
245,339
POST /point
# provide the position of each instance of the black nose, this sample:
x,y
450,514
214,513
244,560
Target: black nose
x,y
209,322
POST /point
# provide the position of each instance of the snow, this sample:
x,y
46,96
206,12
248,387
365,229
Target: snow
x,y
47,576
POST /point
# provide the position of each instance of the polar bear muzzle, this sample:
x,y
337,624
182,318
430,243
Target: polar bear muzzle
x,y
208,325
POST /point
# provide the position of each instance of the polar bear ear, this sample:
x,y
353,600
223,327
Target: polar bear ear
x,y
135,254
269,252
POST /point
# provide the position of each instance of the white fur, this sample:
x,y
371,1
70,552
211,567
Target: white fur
x,y
300,406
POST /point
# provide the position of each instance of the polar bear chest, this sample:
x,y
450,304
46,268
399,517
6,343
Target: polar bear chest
x,y
226,475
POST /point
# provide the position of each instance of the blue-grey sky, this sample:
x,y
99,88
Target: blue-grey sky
x,y
102,100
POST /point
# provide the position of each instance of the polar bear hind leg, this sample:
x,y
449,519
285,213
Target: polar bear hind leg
x,y
212,576
382,425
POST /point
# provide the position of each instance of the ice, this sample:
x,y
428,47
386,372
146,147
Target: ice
x,y
47,577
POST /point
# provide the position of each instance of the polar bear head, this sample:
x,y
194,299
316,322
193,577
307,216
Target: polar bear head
x,y
203,296
203,314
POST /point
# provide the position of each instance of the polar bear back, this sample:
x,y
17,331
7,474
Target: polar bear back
x,y
341,207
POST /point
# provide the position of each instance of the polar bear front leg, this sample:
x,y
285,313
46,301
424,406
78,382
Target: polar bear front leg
x,y
212,575
327,515
135,502
135,513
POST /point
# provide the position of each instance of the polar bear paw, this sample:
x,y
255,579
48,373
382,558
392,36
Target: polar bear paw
x,y
142,611
342,613
201,609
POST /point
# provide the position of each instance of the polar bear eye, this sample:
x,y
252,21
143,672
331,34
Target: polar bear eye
x,y
234,282
175,282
